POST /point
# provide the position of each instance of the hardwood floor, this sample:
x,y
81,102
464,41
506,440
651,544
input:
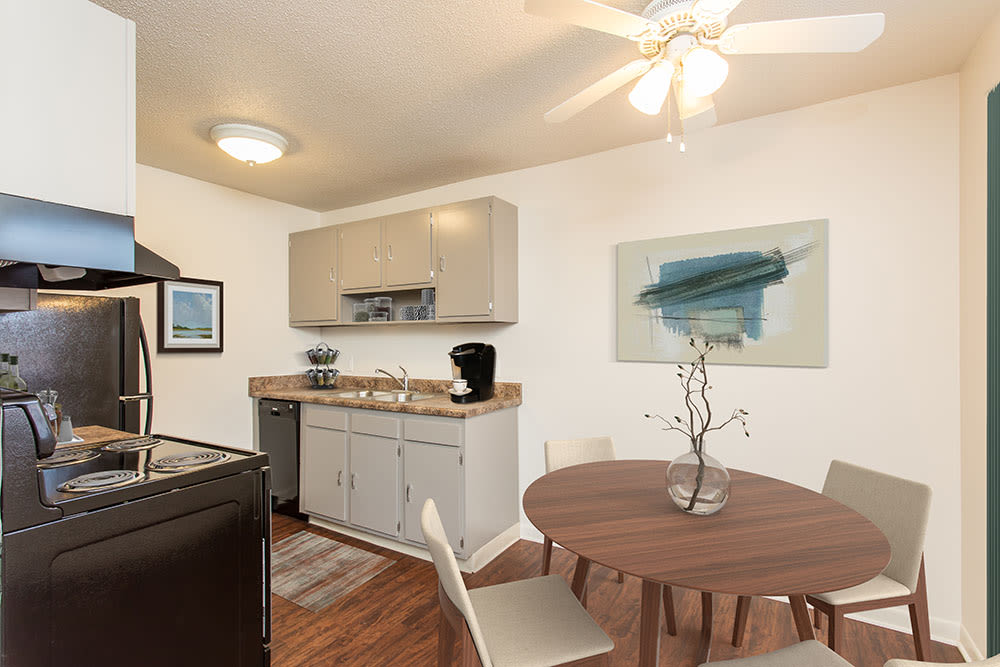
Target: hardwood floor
x,y
392,619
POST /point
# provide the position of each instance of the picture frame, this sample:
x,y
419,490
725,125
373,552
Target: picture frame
x,y
189,315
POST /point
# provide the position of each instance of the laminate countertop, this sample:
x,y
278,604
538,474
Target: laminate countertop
x,y
296,388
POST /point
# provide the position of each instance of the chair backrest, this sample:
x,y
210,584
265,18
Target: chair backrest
x,y
564,453
899,507
450,576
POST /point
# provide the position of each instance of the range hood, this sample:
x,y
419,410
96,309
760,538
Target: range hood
x,y
54,246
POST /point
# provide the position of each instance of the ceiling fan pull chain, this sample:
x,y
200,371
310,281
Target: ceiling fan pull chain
x,y
670,121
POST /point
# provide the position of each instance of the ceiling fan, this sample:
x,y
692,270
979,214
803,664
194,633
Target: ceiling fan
x,y
679,40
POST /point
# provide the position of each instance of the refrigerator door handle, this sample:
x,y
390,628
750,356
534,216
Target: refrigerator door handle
x,y
148,368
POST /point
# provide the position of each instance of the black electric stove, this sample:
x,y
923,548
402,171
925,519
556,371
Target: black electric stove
x,y
164,540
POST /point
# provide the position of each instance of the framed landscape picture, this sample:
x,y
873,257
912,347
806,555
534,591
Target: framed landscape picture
x,y
189,314
758,294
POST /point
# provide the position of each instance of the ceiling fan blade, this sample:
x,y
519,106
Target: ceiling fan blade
x,y
827,34
596,91
593,15
708,11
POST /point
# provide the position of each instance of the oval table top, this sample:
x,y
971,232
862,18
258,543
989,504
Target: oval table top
x,y
771,538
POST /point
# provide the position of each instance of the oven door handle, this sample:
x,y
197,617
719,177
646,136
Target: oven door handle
x,y
135,397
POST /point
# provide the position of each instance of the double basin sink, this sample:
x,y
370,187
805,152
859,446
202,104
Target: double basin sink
x,y
397,396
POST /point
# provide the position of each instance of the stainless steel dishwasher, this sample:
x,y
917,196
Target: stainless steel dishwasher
x,y
278,422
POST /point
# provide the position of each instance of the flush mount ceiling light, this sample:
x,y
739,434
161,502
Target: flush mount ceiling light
x,y
248,143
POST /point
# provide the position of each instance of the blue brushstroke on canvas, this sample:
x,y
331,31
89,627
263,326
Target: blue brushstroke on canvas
x,y
727,296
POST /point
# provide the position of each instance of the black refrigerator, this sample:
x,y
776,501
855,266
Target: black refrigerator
x,y
88,348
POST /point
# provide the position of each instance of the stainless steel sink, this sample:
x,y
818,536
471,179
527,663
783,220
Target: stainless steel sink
x,y
362,393
403,397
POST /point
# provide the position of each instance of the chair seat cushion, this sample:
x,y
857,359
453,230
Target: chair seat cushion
x,y
989,662
804,654
879,588
536,623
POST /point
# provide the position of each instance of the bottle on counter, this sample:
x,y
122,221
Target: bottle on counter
x,y
4,366
12,380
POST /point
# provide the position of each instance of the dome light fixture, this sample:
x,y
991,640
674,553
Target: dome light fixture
x,y
248,143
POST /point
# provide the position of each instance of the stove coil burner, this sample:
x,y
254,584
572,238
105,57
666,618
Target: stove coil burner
x,y
185,462
133,445
68,457
99,481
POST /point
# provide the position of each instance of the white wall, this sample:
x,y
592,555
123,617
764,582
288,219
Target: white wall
x,y
979,75
883,167
216,233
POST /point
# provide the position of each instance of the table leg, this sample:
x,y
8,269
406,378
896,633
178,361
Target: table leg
x,y
740,624
649,624
801,615
580,576
705,641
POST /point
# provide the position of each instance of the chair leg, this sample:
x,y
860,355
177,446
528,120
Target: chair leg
x,y
621,577
668,611
836,634
546,556
920,618
740,622
817,618
446,642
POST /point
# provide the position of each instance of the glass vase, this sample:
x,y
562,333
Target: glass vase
x,y
697,483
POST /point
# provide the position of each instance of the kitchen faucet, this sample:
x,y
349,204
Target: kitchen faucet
x,y
405,383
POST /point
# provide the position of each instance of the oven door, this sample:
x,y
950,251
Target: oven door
x,y
171,579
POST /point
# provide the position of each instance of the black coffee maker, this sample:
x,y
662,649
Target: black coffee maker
x,y
475,363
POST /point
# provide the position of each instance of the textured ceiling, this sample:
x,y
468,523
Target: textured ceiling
x,y
383,98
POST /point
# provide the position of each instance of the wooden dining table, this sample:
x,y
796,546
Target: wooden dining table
x,y
772,538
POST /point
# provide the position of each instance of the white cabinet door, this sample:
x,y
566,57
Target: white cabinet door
x,y
375,483
323,472
433,471
464,260
67,81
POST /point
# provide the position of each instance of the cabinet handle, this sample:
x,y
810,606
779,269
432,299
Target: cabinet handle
x,y
441,263
354,480
390,252
409,490
333,277
340,478
375,253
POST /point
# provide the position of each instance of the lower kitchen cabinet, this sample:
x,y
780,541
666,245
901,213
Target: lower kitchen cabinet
x,y
323,463
375,483
374,470
433,471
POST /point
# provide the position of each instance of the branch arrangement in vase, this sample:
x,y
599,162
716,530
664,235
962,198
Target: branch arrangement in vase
x,y
694,382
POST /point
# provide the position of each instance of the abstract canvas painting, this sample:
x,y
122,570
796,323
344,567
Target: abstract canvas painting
x,y
190,315
757,294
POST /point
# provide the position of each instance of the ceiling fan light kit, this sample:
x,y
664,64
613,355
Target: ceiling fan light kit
x,y
679,40
249,143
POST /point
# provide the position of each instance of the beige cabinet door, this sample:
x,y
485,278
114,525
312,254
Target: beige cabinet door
x,y
323,472
375,483
464,270
408,249
312,275
433,471
360,254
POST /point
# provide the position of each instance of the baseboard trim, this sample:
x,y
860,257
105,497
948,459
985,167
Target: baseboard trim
x,y
474,562
970,651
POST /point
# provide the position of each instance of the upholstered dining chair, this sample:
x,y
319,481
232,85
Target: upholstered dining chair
x,y
528,623
900,508
804,654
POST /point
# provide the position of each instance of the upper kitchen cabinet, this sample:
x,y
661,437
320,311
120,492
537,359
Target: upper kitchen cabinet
x,y
391,252
67,76
408,250
361,255
312,277
477,261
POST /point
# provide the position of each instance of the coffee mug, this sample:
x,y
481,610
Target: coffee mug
x,y
459,385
